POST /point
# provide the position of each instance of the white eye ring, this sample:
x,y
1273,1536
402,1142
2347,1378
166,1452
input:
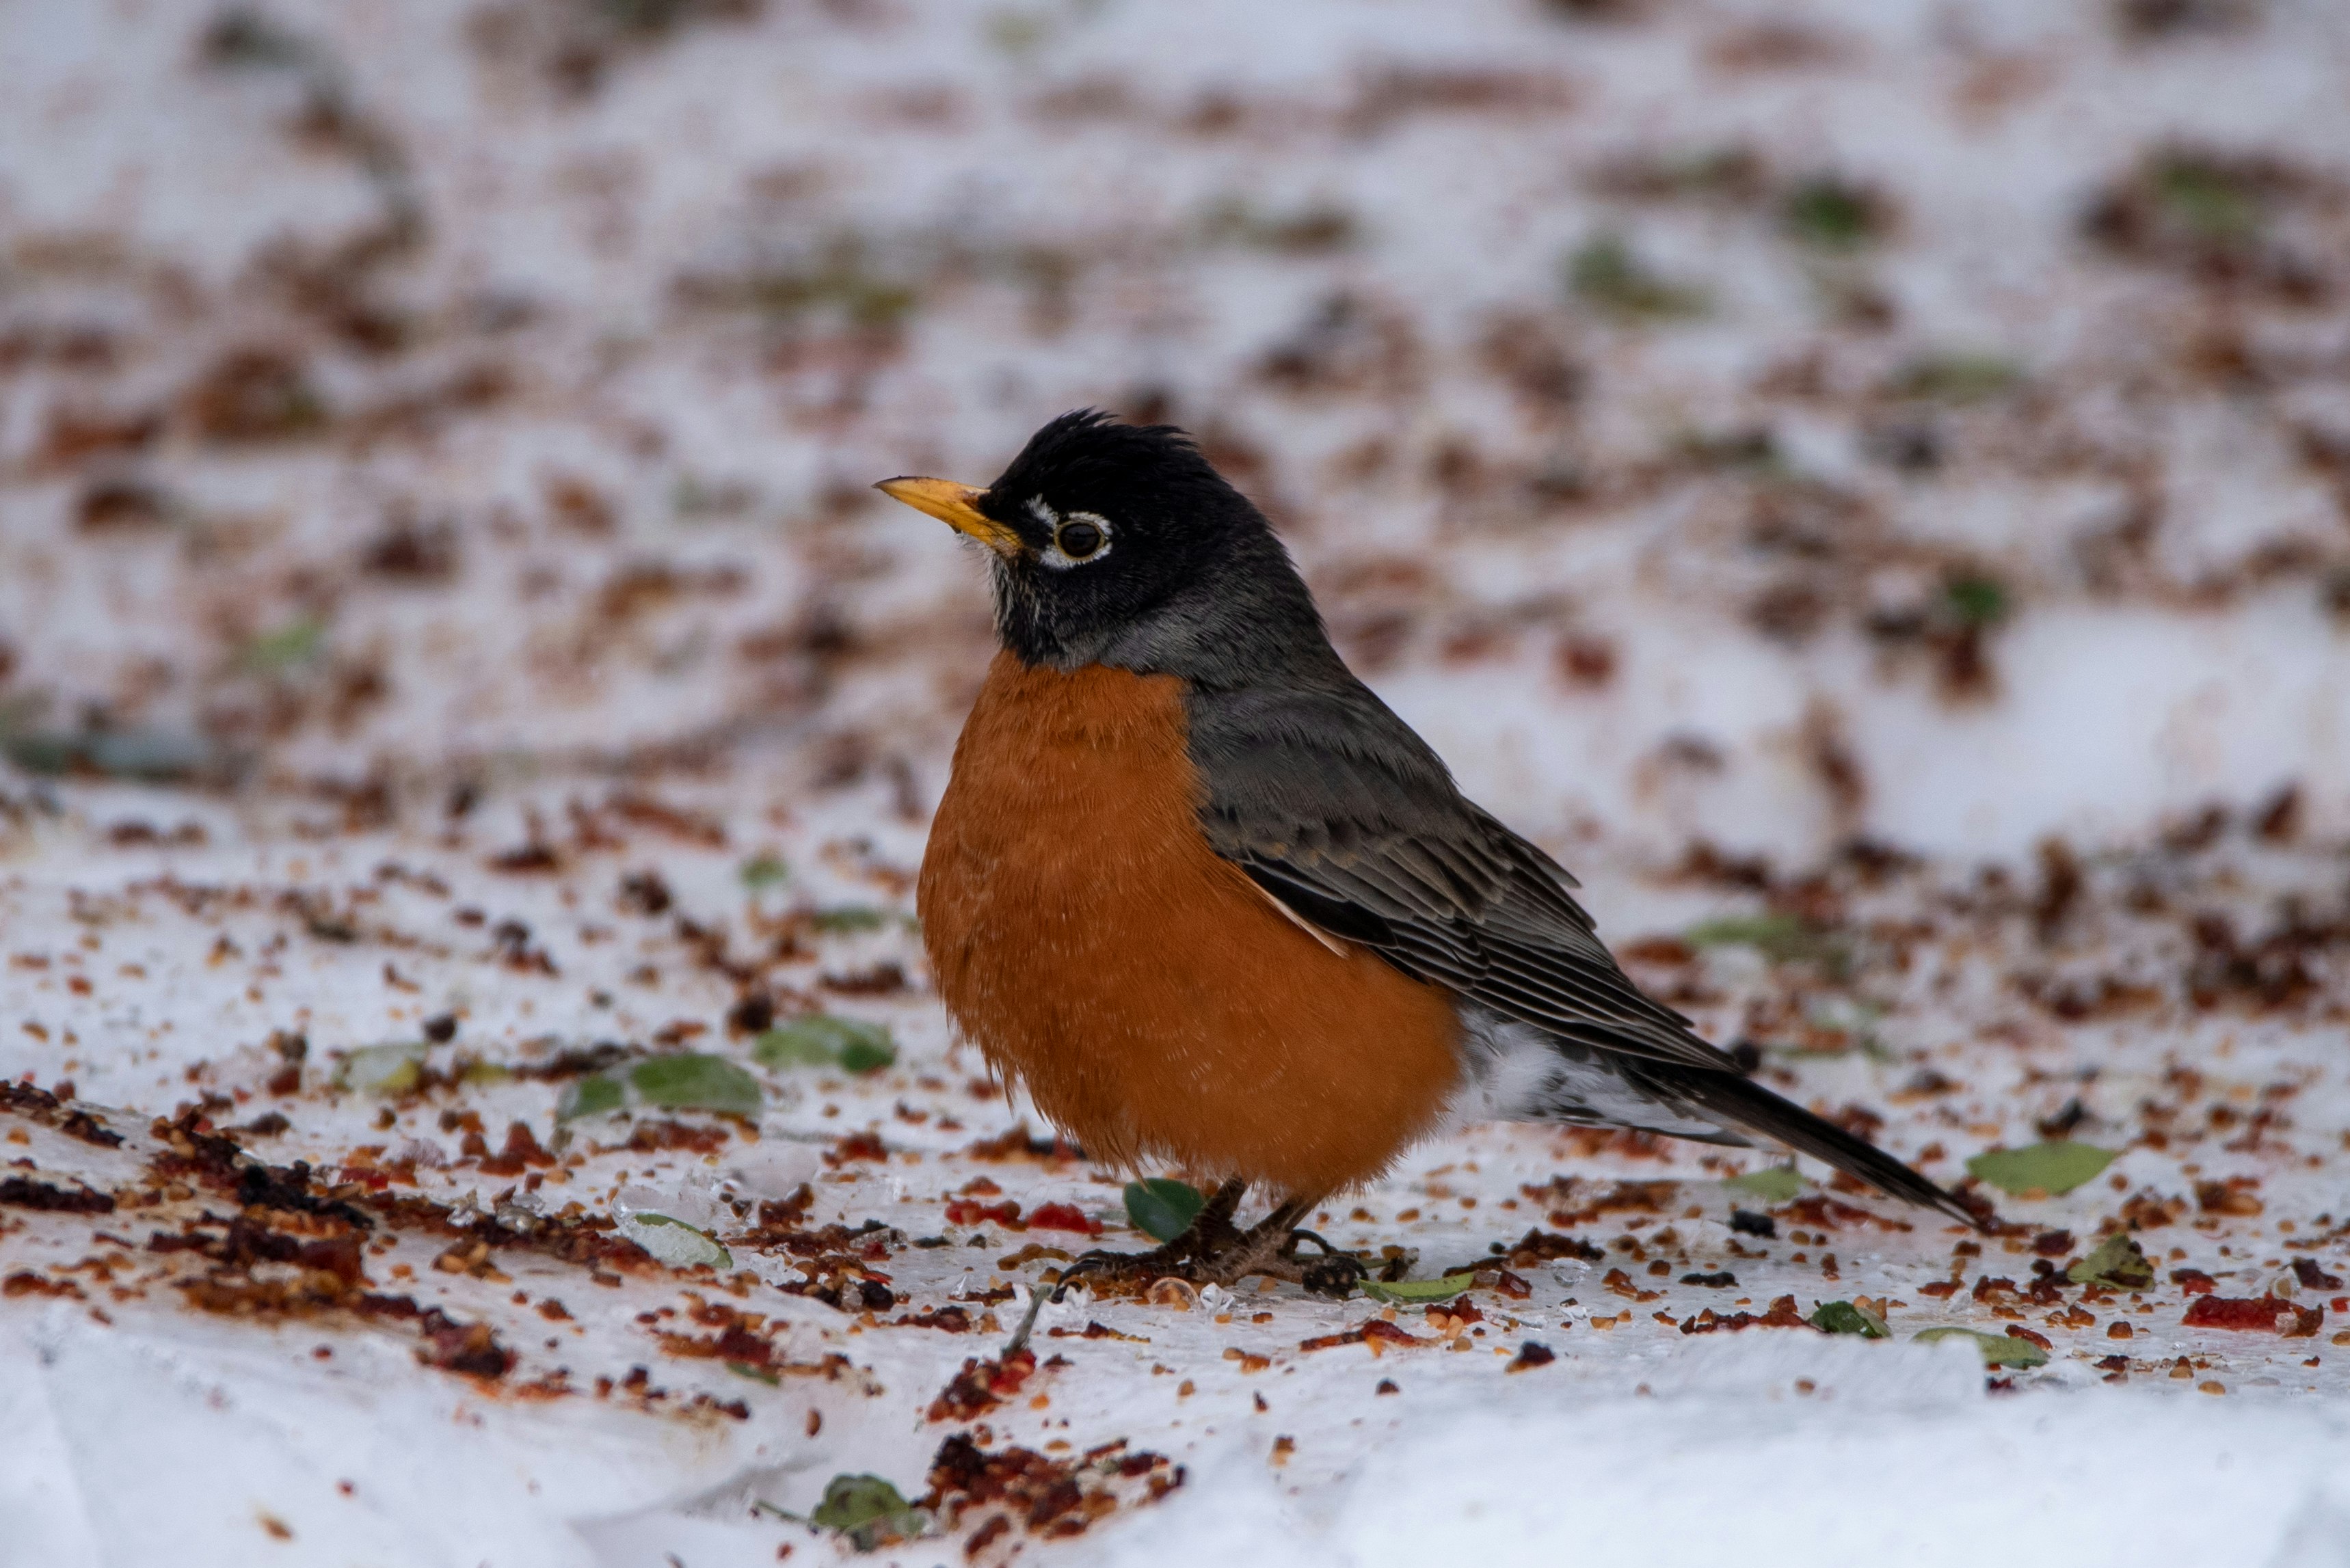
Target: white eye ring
x,y
1053,555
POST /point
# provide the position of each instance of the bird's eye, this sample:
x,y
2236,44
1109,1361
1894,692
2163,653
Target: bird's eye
x,y
1078,540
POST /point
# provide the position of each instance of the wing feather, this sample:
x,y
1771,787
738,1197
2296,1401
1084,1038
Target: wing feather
x,y
1335,809
1344,818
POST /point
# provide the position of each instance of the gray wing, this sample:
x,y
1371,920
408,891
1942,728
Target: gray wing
x,y
1335,807
1332,807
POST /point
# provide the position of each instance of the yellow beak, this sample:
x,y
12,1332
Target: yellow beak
x,y
957,505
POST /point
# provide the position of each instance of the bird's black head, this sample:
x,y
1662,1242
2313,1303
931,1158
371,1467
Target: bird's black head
x,y
1118,543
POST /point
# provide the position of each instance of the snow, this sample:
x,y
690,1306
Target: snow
x,y
570,575
246,1420
1903,1459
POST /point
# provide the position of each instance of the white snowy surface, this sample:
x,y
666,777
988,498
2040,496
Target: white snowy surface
x,y
433,441
140,1421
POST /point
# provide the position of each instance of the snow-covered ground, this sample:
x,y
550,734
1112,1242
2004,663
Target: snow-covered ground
x,y
1865,485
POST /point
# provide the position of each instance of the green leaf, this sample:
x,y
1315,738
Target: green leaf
x,y
1842,1317
1413,1291
675,1243
485,1072
1998,1349
765,871
2217,203
1777,1183
2050,1168
1161,1209
158,756
382,1069
1317,227
803,1043
851,1500
2118,1264
1834,214
868,1056
1607,274
1976,599
847,919
1782,939
592,1096
755,1374
696,1082
297,642
839,279
825,1041
868,1510
1959,378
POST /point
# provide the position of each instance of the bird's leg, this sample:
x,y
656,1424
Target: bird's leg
x,y
1270,1248
1213,1250
1210,1234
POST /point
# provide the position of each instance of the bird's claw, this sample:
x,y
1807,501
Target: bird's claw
x,y
1129,1268
1225,1261
1214,1251
1334,1273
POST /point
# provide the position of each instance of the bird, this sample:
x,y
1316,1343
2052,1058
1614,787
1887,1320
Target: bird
x,y
1210,901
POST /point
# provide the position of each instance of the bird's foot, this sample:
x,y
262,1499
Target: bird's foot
x,y
1189,1257
1272,1252
1224,1256
1111,1273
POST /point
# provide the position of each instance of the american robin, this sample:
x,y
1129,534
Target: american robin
x,y
1211,901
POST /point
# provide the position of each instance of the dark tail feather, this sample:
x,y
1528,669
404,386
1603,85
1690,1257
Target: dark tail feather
x,y
1755,1108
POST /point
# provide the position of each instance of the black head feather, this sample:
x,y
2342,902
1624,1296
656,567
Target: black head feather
x,y
1140,554
1088,460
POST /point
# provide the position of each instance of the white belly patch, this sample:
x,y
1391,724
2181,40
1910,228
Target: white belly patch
x,y
1515,1073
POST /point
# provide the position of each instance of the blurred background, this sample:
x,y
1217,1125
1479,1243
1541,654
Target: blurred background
x,y
1733,429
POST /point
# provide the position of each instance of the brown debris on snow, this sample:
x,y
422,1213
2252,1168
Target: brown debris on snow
x,y
994,1492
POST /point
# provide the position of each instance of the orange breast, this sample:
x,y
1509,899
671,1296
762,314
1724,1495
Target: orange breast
x,y
1153,1002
